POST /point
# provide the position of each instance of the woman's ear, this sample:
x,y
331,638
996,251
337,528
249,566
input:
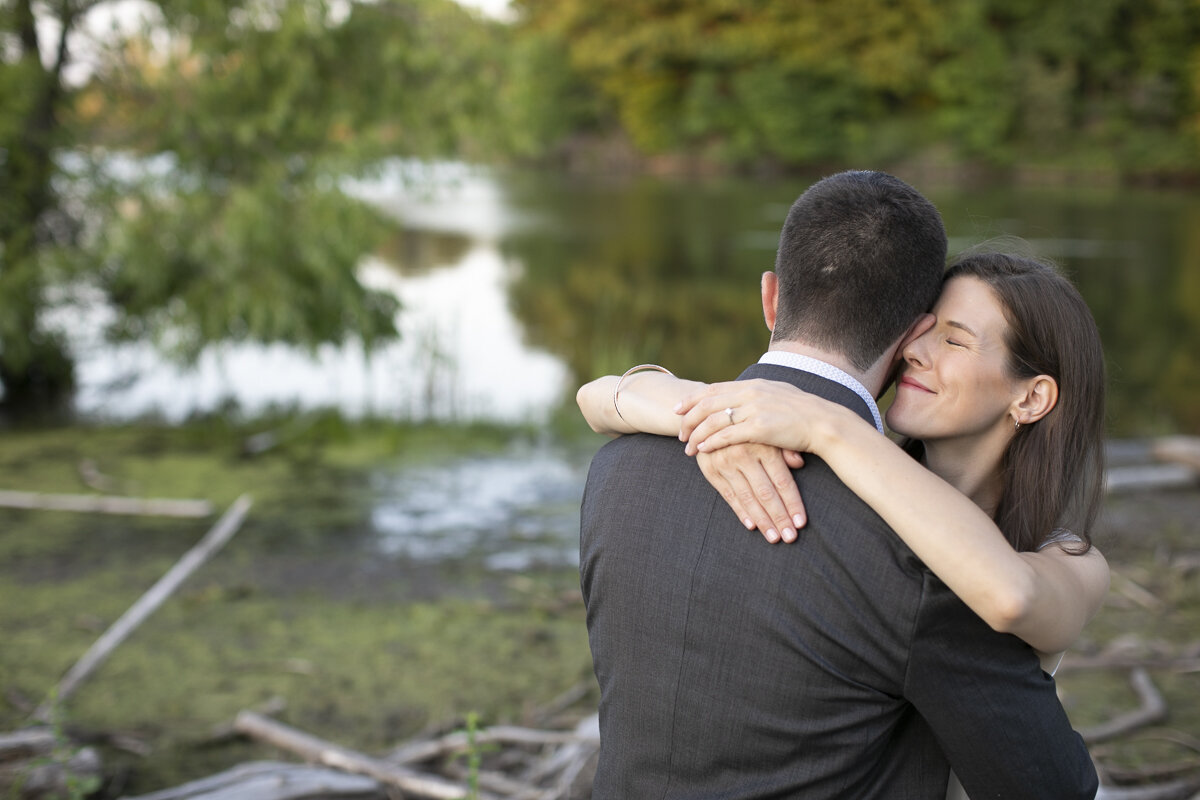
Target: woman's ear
x,y
1039,399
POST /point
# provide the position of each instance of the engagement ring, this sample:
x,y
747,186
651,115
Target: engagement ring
x,y
729,413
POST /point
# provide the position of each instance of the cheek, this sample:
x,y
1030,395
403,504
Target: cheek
x,y
899,414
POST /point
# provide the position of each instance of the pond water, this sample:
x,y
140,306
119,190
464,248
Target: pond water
x,y
517,286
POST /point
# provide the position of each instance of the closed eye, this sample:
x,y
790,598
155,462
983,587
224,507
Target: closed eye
x,y
954,343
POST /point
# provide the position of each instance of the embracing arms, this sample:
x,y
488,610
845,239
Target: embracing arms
x,y
1043,597
647,403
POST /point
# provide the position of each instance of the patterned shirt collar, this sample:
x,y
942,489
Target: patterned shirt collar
x,y
784,358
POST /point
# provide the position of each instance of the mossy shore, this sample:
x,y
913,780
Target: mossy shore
x,y
368,650
364,651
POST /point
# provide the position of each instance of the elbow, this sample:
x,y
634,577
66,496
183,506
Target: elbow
x,y
581,400
1009,608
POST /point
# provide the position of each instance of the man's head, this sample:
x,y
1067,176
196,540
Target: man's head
x,y
860,257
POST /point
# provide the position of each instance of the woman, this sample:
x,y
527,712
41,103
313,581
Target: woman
x,y
1002,400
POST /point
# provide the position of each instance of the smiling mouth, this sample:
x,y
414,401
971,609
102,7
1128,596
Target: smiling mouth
x,y
907,382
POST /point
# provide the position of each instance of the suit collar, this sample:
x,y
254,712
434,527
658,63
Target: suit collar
x,y
784,358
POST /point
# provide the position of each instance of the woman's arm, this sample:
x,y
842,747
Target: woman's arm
x,y
647,401
1044,598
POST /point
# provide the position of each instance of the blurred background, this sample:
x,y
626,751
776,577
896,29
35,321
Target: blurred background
x,y
353,258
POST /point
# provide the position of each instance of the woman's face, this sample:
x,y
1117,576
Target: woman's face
x,y
955,383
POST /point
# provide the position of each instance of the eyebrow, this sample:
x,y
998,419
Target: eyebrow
x,y
961,326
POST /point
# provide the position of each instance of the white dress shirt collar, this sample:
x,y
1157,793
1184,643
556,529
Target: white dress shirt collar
x,y
784,358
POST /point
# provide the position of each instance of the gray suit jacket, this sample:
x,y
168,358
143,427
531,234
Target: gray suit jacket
x,y
833,667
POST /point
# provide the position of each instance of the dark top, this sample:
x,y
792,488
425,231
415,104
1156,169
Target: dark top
x,y
833,667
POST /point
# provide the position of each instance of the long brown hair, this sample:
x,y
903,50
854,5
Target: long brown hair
x,y
1053,470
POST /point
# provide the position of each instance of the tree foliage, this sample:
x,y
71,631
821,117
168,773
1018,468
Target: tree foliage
x,y
194,173
1107,83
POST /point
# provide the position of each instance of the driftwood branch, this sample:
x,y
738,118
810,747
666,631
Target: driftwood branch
x,y
106,504
1149,476
1132,590
1154,772
1183,450
416,752
29,743
268,780
1153,709
320,751
1176,790
145,605
225,731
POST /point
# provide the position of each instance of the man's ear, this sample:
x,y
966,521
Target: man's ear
x,y
770,298
1039,398
895,358
919,328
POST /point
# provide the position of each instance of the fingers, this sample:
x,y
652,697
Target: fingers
x,y
793,459
713,399
726,489
779,472
709,426
721,436
757,484
711,390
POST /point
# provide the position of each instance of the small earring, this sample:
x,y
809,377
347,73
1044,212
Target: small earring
x,y
1016,424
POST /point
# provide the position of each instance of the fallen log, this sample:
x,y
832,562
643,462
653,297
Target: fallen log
x,y
145,605
1149,476
1153,709
106,504
271,780
1176,790
225,731
1183,450
319,751
29,743
50,777
1154,772
416,752
1134,591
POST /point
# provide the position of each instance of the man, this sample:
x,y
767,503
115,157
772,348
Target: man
x,y
837,667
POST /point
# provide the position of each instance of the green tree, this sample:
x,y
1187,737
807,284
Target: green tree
x,y
797,82
194,173
1110,83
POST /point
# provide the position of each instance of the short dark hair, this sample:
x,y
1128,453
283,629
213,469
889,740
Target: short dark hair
x,y
860,256
1053,470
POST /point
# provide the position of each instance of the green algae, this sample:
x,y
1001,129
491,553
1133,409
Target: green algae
x,y
362,657
369,655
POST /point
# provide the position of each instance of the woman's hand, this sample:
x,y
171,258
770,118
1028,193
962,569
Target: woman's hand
x,y
756,481
767,412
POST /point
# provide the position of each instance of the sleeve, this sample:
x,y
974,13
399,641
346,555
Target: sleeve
x,y
994,711
1060,536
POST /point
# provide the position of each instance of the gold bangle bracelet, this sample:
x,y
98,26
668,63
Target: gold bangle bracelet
x,y
628,372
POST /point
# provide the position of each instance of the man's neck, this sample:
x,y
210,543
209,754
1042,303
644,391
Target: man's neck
x,y
871,379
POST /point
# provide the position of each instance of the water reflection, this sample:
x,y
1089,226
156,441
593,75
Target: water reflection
x,y
512,511
515,287
461,354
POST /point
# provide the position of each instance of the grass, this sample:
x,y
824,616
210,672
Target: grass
x,y
367,652
1153,540
364,654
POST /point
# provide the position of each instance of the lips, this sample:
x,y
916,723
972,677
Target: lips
x,y
910,383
